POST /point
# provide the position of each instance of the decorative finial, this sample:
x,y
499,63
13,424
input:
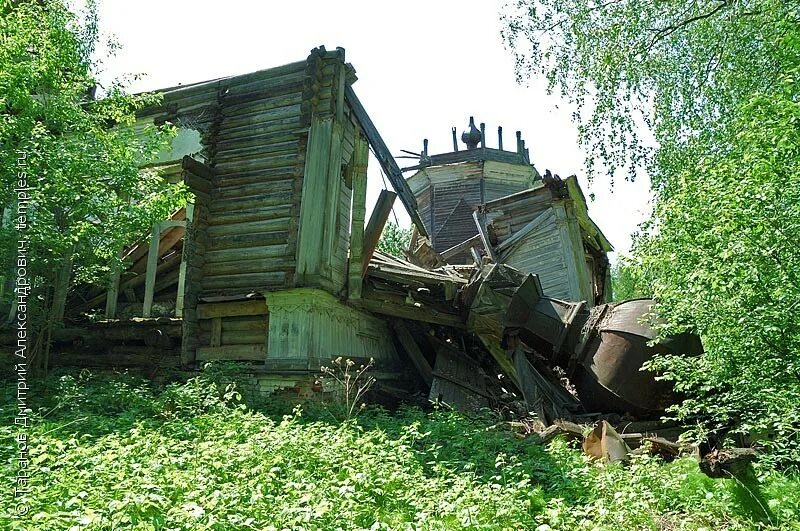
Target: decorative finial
x,y
473,136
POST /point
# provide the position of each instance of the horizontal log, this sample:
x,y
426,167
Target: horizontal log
x,y
244,337
246,107
282,263
245,191
232,353
253,281
197,168
264,162
273,126
263,90
265,148
259,201
252,227
260,252
261,116
261,214
256,323
255,139
255,245
392,306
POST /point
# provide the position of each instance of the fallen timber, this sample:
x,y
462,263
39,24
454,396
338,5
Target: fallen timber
x,y
500,300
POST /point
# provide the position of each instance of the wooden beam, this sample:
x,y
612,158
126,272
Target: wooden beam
x,y
198,169
386,159
466,245
182,272
131,283
396,305
231,309
359,184
232,353
168,238
377,221
150,276
112,296
413,351
480,223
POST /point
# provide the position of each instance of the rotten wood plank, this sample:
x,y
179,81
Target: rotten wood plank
x,y
377,221
414,353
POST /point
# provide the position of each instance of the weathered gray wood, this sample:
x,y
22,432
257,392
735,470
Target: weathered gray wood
x,y
179,301
466,245
414,353
233,353
377,221
312,205
150,278
359,183
253,227
385,159
231,309
480,223
113,293
396,306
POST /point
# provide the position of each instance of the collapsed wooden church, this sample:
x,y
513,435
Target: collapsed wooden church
x,y
274,262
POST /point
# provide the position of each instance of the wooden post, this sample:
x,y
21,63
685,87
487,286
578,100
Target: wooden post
x,y
359,180
312,204
413,351
150,276
534,401
372,234
480,223
113,292
179,301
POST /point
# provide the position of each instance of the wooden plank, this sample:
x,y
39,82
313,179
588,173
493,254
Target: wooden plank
x,y
150,276
480,223
113,293
385,159
232,353
216,331
359,183
417,358
395,306
377,221
168,238
466,245
312,204
182,271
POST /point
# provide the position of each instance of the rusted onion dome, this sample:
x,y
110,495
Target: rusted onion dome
x,y
610,378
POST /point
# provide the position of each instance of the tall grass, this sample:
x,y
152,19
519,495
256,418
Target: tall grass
x,y
112,453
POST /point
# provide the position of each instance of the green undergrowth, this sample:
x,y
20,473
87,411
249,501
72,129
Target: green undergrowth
x,y
114,453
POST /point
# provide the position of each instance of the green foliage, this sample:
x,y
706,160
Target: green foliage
x,y
627,281
81,155
725,260
716,85
111,453
394,240
635,69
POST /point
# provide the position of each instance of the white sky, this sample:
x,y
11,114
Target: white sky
x,y
423,67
